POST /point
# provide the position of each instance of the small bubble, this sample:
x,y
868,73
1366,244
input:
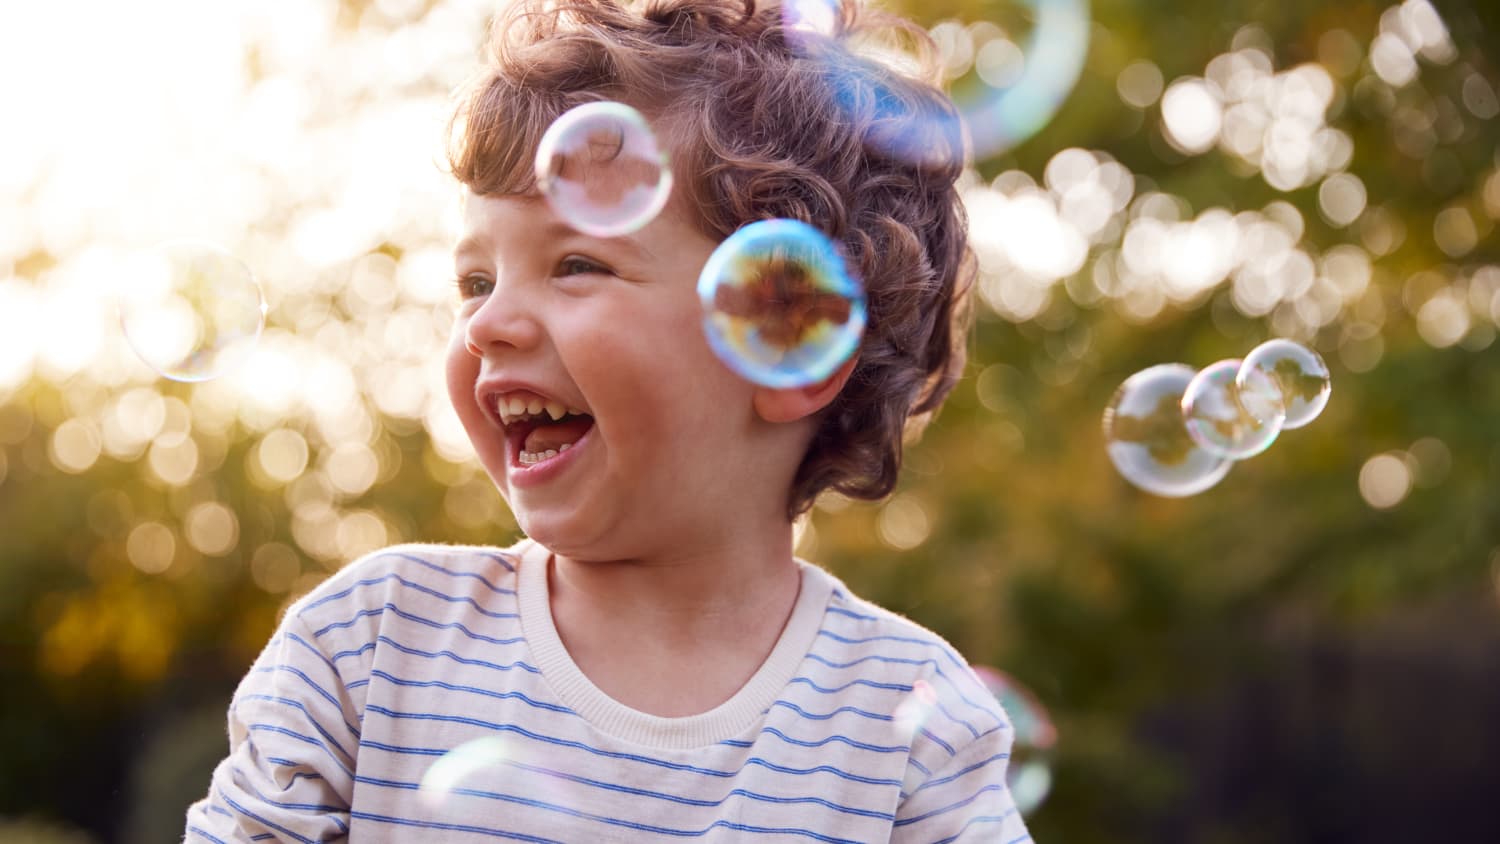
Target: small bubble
x,y
1290,371
1147,438
1227,421
779,306
192,311
602,169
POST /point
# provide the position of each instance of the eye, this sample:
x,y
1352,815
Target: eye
x,y
474,286
579,265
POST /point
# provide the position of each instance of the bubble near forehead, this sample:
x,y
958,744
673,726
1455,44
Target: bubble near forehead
x,y
779,305
1221,421
603,170
1148,441
1286,376
190,310
1030,772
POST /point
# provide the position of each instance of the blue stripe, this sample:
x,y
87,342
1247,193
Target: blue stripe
x,y
501,559
952,806
390,607
386,640
453,687
984,819
895,687
297,672
621,822
266,821
912,640
609,754
938,671
274,728
641,792
194,829
876,748
976,766
450,572
410,584
455,827
851,613
827,715
939,742
295,704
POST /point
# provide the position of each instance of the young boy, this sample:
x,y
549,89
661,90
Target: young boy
x,y
651,663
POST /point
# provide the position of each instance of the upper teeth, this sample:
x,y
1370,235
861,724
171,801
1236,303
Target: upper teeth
x,y
516,408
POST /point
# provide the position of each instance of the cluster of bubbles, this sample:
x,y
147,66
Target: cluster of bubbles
x,y
193,310
1175,432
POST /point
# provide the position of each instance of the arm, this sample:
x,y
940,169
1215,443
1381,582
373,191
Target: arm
x,y
293,736
965,800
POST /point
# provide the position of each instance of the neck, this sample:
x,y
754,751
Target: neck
x,y
678,601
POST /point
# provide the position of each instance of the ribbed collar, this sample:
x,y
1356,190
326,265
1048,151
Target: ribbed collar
x,y
728,719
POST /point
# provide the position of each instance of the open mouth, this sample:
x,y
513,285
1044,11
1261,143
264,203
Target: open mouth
x,y
539,439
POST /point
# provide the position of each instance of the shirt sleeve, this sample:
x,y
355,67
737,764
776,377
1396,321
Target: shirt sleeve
x,y
966,800
293,736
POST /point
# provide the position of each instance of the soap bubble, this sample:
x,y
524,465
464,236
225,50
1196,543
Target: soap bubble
x,y
601,168
1015,104
1280,376
779,306
1218,420
813,16
1148,441
915,709
1029,775
1021,75
190,310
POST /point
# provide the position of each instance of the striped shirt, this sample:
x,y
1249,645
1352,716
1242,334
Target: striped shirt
x,y
423,694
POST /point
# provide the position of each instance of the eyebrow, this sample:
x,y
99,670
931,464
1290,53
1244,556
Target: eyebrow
x,y
477,242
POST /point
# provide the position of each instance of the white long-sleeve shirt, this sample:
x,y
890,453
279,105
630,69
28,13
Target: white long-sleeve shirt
x,y
423,694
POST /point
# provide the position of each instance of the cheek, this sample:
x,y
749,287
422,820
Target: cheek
x,y
462,370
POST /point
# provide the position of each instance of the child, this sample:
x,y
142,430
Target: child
x,y
651,663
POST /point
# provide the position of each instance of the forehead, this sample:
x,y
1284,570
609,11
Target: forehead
x,y
509,222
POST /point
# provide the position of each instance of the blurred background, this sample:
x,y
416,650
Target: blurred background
x,y
1307,652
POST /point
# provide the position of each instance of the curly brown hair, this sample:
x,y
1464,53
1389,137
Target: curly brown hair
x,y
767,121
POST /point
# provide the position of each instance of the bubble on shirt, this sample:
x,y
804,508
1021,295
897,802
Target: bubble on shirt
x,y
780,306
915,709
1281,376
603,170
1147,438
1029,774
456,771
190,309
1219,418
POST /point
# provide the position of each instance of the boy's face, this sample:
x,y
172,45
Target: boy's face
x,y
610,327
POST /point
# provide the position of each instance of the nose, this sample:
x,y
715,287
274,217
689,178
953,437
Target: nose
x,y
504,320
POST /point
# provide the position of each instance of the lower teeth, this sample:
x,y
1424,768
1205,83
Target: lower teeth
x,y
530,457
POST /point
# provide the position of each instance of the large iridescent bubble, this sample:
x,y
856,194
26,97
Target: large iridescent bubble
x,y
779,304
1147,438
1019,83
190,310
603,170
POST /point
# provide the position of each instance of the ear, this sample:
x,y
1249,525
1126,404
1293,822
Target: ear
x,y
788,404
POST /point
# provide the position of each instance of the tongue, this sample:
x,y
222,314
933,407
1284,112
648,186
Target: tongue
x,y
554,435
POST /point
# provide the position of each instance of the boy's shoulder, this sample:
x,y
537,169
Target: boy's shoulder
x,y
430,569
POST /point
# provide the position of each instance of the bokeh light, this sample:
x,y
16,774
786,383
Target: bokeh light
x,y
190,310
